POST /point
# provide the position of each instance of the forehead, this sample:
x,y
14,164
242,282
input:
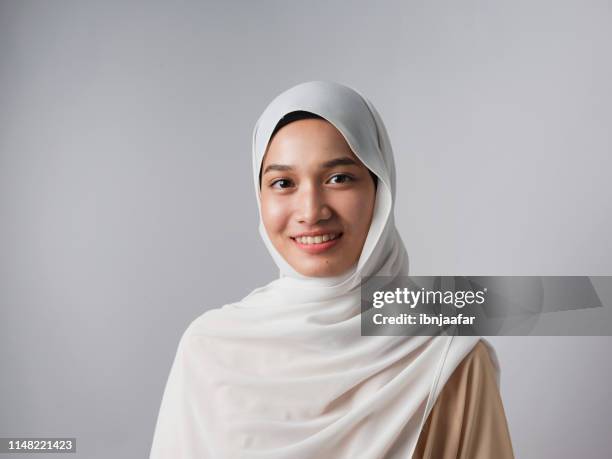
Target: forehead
x,y
307,141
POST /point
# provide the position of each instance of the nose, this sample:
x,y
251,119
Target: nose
x,y
312,206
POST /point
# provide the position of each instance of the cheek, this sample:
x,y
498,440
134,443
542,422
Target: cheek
x,y
274,214
356,210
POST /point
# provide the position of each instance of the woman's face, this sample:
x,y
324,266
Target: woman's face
x,y
317,198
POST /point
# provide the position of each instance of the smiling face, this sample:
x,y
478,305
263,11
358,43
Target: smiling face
x,y
317,198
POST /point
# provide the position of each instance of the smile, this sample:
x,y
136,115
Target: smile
x,y
317,244
317,239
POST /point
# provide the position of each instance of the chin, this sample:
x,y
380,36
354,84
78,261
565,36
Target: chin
x,y
318,270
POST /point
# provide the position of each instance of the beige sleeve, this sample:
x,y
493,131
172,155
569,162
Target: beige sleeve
x,y
468,420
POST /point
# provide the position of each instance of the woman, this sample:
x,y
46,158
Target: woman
x,y
285,372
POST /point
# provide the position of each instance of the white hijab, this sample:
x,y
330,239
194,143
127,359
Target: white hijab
x,y
285,373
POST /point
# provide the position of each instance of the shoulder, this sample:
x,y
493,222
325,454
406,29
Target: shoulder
x,y
211,322
195,328
479,363
480,353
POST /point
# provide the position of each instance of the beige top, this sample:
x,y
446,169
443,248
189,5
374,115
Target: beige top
x,y
468,419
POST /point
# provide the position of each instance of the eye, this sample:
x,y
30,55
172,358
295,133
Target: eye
x,y
341,178
281,183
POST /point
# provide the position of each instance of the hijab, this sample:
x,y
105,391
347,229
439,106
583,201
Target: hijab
x,y
284,373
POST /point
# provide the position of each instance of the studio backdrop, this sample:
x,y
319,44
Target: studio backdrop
x,y
126,196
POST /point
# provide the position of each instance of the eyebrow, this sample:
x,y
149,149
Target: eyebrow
x,y
345,161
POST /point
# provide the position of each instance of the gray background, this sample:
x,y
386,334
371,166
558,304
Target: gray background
x,y
127,208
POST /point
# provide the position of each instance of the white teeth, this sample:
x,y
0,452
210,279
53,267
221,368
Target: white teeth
x,y
316,239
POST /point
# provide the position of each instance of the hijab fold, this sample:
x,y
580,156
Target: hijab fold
x,y
285,373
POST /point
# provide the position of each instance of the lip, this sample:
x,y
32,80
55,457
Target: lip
x,y
315,233
316,248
